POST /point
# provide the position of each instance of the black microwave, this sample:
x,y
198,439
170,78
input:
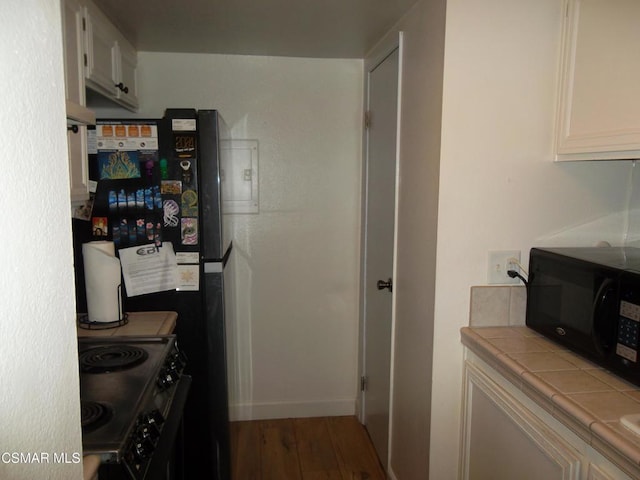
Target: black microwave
x,y
588,300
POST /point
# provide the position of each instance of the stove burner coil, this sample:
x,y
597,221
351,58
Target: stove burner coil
x,y
93,415
111,358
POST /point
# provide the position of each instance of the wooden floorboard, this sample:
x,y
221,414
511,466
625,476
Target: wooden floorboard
x,y
356,456
322,448
315,449
245,450
279,451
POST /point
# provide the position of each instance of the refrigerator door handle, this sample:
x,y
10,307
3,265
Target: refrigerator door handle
x,y
213,267
217,265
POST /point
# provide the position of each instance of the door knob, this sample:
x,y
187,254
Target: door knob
x,y
382,285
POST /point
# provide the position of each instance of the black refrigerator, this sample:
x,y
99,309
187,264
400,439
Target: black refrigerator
x,y
174,196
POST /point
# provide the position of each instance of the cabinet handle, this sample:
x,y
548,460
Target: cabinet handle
x,y
121,86
381,284
73,128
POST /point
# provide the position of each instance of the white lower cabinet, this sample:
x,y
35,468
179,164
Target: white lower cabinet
x,y
506,436
78,168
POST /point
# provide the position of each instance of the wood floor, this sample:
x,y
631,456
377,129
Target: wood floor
x,y
327,448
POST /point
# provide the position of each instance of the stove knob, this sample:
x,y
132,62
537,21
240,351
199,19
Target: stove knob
x,y
154,418
165,380
180,361
153,433
174,363
143,432
143,447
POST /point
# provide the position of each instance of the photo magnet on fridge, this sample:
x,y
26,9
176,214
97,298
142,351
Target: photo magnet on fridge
x,y
118,165
189,205
189,227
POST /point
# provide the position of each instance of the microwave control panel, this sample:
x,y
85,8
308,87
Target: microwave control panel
x,y
628,331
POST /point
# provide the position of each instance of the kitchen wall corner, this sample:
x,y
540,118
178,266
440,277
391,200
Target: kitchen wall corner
x,y
497,306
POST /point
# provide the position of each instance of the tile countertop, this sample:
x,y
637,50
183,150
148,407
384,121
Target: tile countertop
x,y
140,323
581,395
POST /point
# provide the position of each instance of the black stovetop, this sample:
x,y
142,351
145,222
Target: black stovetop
x,y
118,394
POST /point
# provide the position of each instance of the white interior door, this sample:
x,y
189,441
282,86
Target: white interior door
x,y
379,247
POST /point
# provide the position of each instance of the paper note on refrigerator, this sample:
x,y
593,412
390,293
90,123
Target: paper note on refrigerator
x,y
148,269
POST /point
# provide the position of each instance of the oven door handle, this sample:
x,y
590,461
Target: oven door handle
x,y
603,325
157,467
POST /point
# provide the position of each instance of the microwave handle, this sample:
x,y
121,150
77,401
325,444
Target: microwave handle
x,y
602,324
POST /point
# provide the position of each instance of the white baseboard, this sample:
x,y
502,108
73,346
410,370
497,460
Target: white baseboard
x,y
264,411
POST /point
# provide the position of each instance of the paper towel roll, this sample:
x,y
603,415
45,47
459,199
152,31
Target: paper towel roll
x,y
102,282
105,246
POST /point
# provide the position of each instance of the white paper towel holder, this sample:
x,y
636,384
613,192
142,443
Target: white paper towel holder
x,y
85,322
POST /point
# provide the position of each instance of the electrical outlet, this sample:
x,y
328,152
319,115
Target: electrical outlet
x,y
499,264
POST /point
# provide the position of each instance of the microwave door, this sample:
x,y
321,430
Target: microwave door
x,y
562,302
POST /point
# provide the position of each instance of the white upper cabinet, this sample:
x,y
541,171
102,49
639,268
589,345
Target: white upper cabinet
x,y
77,113
98,57
73,38
110,61
599,102
72,34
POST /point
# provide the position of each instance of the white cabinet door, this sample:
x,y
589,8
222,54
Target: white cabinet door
x,y
502,440
127,78
507,435
597,473
78,166
101,53
599,109
73,51
110,60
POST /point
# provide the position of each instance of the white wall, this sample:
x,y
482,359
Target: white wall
x,y
39,398
295,348
499,187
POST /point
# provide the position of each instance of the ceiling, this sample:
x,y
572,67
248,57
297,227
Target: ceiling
x,y
292,28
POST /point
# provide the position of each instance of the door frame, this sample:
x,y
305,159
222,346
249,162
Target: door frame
x,y
374,58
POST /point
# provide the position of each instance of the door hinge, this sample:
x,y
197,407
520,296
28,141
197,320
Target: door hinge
x,y
367,119
363,383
